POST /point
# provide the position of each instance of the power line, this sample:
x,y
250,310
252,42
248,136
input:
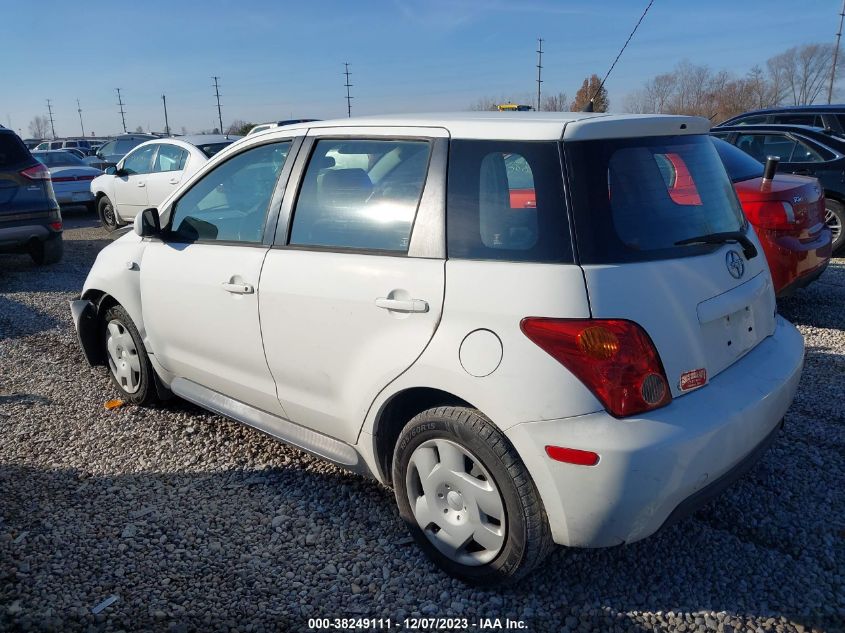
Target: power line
x,y
50,110
122,113
348,86
622,50
81,124
539,69
835,54
166,124
219,113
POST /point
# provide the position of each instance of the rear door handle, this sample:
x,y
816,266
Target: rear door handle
x,y
174,181
402,305
141,184
802,172
238,289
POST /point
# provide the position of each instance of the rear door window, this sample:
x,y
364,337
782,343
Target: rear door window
x,y
169,158
634,199
761,146
505,201
360,194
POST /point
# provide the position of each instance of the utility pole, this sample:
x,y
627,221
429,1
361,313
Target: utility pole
x,y
539,69
122,113
50,110
835,54
348,86
82,125
219,114
166,124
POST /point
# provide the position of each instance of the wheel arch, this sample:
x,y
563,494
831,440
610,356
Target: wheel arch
x,y
395,413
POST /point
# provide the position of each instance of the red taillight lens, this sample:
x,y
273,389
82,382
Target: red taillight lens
x,y
777,215
614,358
36,172
56,226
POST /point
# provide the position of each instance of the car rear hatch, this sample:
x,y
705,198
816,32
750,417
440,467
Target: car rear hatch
x,y
644,210
24,184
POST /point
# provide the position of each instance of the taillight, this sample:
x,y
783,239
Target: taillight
x,y
614,358
36,172
56,226
777,215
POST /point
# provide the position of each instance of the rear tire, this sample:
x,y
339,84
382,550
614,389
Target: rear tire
x,y
108,216
126,359
467,498
835,220
47,252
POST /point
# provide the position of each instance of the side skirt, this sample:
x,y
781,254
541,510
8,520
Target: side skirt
x,y
315,443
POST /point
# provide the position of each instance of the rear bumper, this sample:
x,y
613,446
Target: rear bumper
x,y
22,232
794,263
803,281
74,197
662,463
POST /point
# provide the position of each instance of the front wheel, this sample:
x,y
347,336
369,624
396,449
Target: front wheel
x,y
467,498
128,363
834,217
108,216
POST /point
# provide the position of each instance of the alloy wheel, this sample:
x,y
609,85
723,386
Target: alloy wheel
x,y
834,223
455,502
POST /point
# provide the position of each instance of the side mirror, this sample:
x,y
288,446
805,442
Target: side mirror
x,y
120,172
111,171
147,223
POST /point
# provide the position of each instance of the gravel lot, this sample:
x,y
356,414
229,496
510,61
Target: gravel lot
x,y
198,523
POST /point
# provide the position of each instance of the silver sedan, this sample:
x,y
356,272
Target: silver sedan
x,y
71,177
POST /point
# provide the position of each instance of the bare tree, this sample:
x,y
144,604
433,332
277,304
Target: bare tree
x,y
39,127
556,103
803,71
239,127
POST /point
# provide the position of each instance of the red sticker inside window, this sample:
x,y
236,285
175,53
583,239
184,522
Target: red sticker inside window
x,y
692,379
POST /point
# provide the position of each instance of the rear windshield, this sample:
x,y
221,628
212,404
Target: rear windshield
x,y
57,159
210,149
634,199
739,165
12,150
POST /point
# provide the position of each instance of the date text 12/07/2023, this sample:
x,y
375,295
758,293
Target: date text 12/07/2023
x,y
417,624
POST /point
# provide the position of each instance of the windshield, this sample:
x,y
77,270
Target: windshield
x,y
634,199
57,159
210,149
739,165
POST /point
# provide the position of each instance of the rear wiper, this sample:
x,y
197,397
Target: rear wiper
x,y
748,248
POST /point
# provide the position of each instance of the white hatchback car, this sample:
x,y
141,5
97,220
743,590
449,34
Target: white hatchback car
x,y
537,328
150,173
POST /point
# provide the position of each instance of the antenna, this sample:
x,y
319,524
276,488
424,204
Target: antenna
x,y
50,110
122,113
81,124
835,54
622,50
348,86
219,115
166,124
539,69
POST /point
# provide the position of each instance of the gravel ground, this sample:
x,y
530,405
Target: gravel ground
x,y
197,523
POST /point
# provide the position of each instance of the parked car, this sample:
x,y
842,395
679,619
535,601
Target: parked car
x,y
30,219
32,142
829,117
75,151
61,144
110,153
787,212
71,177
516,381
802,150
266,126
149,173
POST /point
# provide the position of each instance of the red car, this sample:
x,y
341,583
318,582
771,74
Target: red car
x,y
788,214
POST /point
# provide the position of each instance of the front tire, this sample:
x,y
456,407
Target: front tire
x,y
834,217
467,498
127,360
108,216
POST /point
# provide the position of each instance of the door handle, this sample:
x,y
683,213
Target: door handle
x,y
174,181
238,289
801,172
402,305
141,184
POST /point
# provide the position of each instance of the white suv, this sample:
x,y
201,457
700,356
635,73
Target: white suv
x,y
537,328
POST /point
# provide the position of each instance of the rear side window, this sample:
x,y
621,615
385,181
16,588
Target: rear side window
x,y
505,201
12,150
169,158
739,165
634,199
360,194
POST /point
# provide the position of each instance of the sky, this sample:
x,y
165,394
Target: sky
x,y
278,60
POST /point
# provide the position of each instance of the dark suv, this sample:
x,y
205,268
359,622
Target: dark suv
x,y
30,220
828,117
